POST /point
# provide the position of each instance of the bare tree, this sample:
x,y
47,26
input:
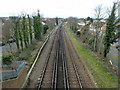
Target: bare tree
x,y
108,11
7,32
72,22
99,12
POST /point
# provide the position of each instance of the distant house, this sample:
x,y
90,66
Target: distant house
x,y
92,27
103,27
81,24
88,22
43,23
103,21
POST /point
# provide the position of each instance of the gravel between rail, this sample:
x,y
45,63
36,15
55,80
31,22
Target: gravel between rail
x,y
64,67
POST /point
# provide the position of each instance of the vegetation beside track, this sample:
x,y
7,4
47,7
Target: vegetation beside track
x,y
28,54
102,77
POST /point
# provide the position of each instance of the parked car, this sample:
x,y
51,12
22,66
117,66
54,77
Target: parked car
x,y
2,43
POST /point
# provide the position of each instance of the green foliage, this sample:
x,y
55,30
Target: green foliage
x,y
7,58
27,34
109,37
104,78
90,41
56,20
24,31
20,34
88,18
45,28
91,20
24,55
78,33
16,33
37,26
30,29
74,28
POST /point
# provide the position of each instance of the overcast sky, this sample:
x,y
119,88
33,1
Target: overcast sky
x,y
52,8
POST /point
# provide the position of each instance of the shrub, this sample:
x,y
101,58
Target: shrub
x,y
45,27
24,55
90,41
78,33
7,58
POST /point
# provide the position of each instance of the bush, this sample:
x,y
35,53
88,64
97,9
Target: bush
x,y
7,58
45,27
24,55
90,41
78,33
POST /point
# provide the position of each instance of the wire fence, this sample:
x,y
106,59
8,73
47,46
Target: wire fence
x,y
9,74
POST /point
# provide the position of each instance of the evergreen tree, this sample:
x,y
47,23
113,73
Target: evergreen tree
x,y
16,34
109,37
37,26
88,18
30,29
24,31
56,20
45,27
20,34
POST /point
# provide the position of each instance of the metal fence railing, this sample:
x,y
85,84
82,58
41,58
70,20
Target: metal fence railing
x,y
9,74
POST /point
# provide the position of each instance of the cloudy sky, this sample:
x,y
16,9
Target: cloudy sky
x,y
52,8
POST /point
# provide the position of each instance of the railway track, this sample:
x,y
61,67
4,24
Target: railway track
x,y
60,70
74,79
82,71
44,80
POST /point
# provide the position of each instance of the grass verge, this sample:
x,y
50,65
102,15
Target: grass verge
x,y
102,77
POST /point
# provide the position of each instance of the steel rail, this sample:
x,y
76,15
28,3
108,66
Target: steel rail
x,y
65,72
46,63
35,61
75,67
55,70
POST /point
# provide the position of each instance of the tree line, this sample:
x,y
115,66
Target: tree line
x,y
25,27
92,38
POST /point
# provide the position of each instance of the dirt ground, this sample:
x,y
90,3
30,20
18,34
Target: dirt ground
x,y
15,83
